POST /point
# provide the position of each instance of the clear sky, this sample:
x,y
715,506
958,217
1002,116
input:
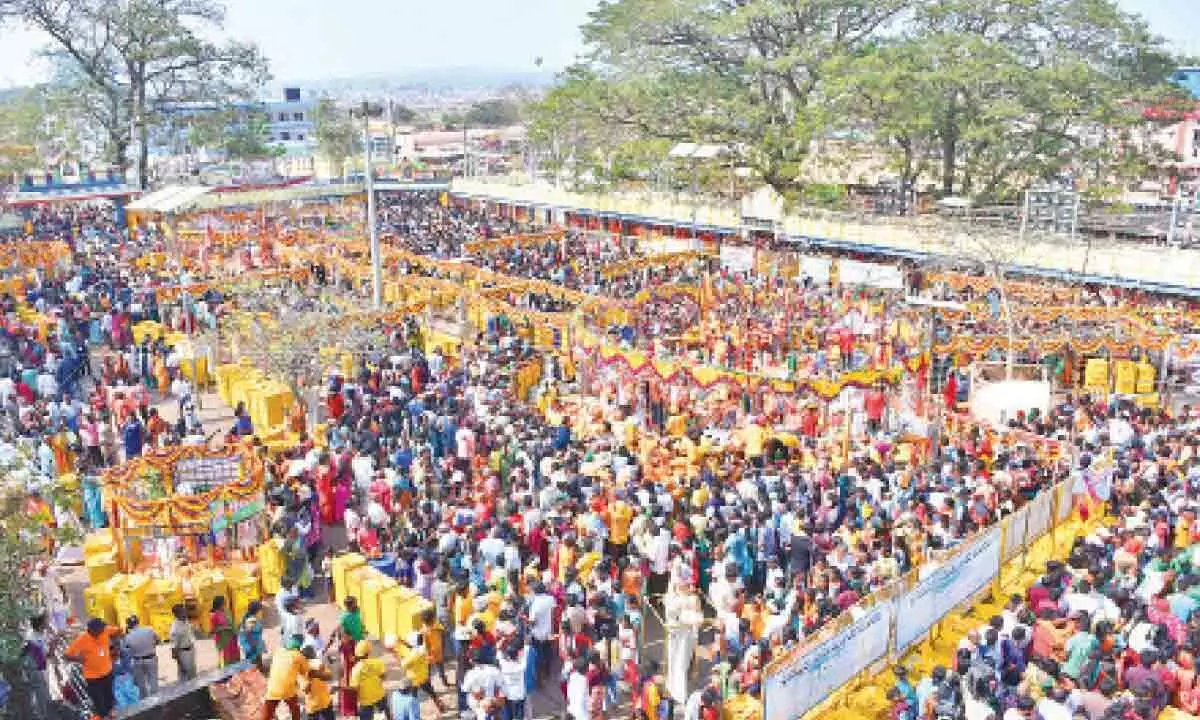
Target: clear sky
x,y
316,39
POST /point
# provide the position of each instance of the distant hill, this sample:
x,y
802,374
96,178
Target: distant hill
x,y
440,79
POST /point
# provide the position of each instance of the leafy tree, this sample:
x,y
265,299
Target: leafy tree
x,y
751,72
23,543
239,134
339,138
403,115
140,57
985,95
497,112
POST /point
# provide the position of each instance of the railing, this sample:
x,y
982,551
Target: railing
x,y
887,624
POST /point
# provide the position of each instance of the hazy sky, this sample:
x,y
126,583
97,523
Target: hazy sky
x,y
311,39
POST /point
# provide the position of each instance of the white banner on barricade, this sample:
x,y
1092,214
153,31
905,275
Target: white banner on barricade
x,y
1014,536
1040,519
946,587
809,677
1066,501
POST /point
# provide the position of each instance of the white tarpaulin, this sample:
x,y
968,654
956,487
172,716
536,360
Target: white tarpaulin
x,y
946,587
811,675
738,258
170,199
999,402
816,268
852,272
663,246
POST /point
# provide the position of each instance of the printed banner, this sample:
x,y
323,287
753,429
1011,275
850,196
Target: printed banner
x,y
1095,375
1041,512
738,258
801,682
946,587
1014,534
1066,501
852,272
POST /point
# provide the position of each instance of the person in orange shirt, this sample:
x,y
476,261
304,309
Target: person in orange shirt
x,y
620,514
93,650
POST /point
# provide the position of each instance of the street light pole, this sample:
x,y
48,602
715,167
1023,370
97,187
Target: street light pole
x,y
372,226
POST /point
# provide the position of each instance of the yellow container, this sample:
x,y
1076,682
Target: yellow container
x,y
410,612
390,601
129,595
339,567
374,585
98,602
354,580
205,587
270,564
160,618
243,590
99,542
100,568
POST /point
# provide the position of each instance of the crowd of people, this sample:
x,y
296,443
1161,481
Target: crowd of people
x,y
552,527
1112,632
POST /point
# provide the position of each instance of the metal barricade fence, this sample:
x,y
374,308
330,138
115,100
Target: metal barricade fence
x,y
1036,526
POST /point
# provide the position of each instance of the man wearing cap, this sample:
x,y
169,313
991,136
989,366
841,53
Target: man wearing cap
x,y
141,643
366,679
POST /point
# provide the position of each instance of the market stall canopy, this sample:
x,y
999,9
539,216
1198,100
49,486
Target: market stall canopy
x,y
231,197
174,198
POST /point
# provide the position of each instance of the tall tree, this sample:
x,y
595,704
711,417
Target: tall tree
x,y
998,94
238,134
142,57
750,72
339,138
497,112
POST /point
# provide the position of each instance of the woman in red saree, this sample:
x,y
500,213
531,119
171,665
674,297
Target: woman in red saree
x,y
325,495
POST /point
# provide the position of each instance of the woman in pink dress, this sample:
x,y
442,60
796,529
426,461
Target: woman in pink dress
x,y
224,635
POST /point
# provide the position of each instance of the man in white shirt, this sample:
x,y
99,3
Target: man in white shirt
x,y
491,548
363,467
47,386
482,683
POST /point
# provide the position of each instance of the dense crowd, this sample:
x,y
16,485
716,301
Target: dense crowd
x,y
550,534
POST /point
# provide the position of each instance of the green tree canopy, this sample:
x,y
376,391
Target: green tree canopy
x,y
133,59
983,95
239,134
338,137
493,113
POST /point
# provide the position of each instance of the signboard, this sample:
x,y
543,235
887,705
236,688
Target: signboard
x,y
738,258
1146,378
205,472
1125,377
947,587
1014,534
816,268
852,272
805,679
1040,517
1066,501
1095,375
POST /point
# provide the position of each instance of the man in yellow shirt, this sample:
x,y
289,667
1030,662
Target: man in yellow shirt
x,y
414,658
367,680
283,683
318,700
